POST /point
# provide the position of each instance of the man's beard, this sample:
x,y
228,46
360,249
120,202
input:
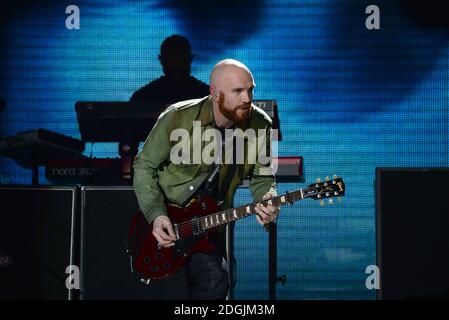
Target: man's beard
x,y
233,114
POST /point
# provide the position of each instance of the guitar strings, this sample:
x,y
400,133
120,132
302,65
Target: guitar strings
x,y
188,225
228,213
276,200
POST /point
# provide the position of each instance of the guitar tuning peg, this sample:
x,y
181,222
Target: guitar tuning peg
x,y
335,176
321,202
327,179
331,201
318,180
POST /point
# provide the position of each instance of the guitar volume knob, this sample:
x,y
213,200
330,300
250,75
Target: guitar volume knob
x,y
166,265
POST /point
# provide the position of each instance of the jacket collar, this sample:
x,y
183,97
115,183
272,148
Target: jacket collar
x,y
206,115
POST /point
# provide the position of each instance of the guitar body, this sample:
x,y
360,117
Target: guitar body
x,y
152,262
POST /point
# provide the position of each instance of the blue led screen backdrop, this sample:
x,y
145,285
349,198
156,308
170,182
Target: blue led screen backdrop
x,y
350,100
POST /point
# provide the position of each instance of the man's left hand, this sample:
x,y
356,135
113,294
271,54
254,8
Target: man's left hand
x,y
266,214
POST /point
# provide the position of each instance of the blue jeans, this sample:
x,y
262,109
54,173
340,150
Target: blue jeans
x,y
206,278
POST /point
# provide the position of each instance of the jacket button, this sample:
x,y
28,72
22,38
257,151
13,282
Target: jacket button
x,y
191,188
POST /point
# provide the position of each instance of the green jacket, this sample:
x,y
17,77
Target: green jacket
x,y
157,179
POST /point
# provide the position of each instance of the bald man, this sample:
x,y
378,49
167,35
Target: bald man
x,y
159,178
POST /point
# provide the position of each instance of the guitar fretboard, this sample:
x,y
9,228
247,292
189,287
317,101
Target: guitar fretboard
x,y
229,215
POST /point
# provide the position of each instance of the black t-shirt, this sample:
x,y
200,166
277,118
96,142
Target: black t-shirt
x,y
210,188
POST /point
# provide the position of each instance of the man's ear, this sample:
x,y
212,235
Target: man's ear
x,y
214,92
217,95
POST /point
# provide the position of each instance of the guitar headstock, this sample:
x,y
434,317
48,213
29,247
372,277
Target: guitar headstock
x,y
326,189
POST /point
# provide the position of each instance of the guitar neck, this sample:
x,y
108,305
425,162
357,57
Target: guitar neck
x,y
229,215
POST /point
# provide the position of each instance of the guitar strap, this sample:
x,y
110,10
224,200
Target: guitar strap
x,y
208,184
206,188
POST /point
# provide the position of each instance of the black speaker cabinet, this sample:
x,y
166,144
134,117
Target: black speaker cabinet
x,y
37,241
412,207
2,107
106,213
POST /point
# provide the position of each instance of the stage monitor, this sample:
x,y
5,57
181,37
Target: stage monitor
x,y
413,233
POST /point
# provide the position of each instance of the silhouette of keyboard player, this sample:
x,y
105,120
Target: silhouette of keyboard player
x,y
176,84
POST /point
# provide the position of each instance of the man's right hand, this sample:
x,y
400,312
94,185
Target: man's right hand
x,y
163,231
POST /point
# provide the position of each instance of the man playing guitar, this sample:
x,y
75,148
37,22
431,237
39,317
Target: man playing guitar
x,y
162,182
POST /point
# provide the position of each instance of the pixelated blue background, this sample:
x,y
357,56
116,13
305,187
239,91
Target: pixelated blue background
x,y
350,100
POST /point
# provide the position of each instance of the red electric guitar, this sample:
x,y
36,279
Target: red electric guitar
x,y
193,225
